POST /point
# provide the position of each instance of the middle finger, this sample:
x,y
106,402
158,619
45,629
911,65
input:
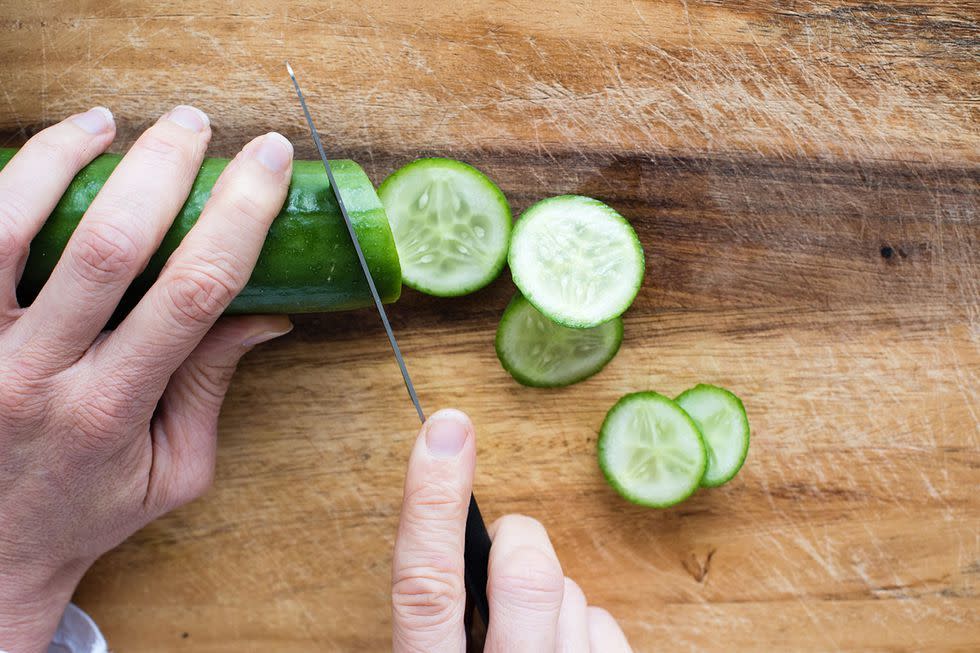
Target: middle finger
x,y
573,622
114,240
525,589
206,271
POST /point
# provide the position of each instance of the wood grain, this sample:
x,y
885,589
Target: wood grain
x,y
804,177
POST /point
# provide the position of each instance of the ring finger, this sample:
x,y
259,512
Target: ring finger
x,y
604,633
46,165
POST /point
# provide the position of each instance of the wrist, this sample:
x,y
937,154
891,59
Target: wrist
x,y
32,601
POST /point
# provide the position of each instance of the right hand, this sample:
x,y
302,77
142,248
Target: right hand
x,y
533,606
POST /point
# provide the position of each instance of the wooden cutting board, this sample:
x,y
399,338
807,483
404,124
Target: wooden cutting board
x,y
804,178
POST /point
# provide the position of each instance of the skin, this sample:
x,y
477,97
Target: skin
x,y
102,432
533,606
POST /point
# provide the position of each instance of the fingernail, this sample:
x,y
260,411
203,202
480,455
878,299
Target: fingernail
x,y
265,336
96,120
190,118
445,434
273,151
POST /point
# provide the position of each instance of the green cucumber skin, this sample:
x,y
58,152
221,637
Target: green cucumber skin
x,y
307,264
748,430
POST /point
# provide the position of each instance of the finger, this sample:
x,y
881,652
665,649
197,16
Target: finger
x,y
428,597
119,232
525,588
605,634
34,180
209,268
186,424
573,627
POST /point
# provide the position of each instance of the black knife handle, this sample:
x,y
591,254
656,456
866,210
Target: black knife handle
x,y
476,560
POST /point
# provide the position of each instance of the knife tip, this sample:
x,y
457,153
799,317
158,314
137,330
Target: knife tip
x,y
289,69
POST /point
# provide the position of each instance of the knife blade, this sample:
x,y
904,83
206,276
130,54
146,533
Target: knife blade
x,y
476,539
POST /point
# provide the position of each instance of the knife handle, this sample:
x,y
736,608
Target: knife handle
x,y
476,560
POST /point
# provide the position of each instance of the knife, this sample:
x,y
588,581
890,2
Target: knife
x,y
476,552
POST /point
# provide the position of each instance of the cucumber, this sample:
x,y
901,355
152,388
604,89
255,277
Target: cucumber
x,y
307,265
539,353
651,451
577,260
451,223
721,418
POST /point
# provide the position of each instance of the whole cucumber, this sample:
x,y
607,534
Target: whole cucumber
x,y
307,265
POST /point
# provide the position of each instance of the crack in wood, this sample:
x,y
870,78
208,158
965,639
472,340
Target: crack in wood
x,y
699,570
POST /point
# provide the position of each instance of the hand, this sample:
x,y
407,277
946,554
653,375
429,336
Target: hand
x,y
533,607
101,433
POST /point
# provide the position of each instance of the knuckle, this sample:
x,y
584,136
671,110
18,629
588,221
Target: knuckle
x,y
211,381
244,206
9,242
102,252
100,417
166,147
56,150
33,362
198,297
13,212
427,597
529,579
435,502
22,394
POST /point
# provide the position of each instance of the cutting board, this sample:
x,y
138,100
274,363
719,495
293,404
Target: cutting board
x,y
804,179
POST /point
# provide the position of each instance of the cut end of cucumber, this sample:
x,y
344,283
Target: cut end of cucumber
x,y
576,260
650,450
451,225
721,418
539,353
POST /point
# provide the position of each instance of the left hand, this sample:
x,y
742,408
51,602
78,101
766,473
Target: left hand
x,y
102,432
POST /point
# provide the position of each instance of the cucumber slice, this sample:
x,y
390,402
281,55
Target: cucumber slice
x,y
539,353
651,451
576,259
721,418
451,225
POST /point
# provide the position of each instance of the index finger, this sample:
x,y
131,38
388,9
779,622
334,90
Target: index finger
x,y
428,596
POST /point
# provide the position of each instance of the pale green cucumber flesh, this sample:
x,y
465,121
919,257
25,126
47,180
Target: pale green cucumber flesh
x,y
451,224
651,451
721,418
540,353
576,260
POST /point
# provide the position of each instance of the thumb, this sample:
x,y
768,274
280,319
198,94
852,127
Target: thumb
x,y
428,596
185,427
